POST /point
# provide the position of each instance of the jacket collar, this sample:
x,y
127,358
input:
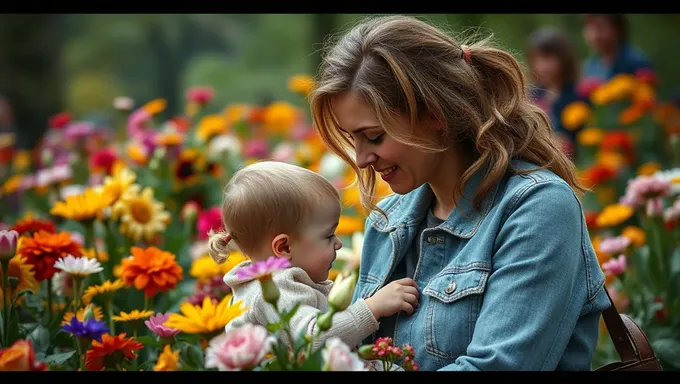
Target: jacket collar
x,y
410,209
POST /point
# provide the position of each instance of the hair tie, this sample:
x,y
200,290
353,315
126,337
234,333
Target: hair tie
x,y
226,237
466,53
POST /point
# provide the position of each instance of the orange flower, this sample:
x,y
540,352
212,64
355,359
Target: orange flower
x,y
30,225
151,270
112,347
20,356
44,249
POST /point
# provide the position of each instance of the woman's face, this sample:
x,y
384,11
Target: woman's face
x,y
403,167
600,34
546,68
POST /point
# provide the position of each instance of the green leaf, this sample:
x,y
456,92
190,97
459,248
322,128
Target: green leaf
x,y
668,350
40,338
273,327
59,358
287,315
149,341
673,292
195,356
313,362
21,294
146,364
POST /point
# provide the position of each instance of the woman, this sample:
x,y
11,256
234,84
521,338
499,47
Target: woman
x,y
606,36
485,218
554,67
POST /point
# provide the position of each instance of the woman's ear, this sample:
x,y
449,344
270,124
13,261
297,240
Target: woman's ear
x,y
281,246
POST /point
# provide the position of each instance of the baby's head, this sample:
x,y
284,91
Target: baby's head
x,y
275,208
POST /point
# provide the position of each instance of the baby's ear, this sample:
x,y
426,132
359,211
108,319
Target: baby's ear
x,y
281,246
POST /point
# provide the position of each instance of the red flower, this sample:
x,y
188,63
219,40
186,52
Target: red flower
x,y
59,120
598,174
587,86
200,95
110,351
591,220
19,357
44,249
103,161
646,75
29,226
619,141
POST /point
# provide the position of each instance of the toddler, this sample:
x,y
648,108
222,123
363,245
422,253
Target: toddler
x,y
275,208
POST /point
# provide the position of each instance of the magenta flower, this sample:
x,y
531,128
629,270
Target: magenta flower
x,y
261,269
644,188
256,148
155,324
79,130
615,266
614,244
208,219
200,95
8,244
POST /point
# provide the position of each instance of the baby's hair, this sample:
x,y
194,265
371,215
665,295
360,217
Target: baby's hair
x,y
264,199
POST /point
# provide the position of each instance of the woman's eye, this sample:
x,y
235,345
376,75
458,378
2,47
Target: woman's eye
x,y
376,139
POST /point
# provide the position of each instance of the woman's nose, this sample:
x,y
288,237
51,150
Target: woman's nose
x,y
365,158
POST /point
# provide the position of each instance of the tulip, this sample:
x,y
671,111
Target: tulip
x,y
340,296
8,245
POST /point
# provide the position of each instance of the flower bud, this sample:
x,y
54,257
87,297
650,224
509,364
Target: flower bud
x,y
270,292
366,352
341,294
88,313
8,244
324,320
190,211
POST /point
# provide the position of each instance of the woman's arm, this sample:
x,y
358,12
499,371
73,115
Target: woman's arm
x,y
537,289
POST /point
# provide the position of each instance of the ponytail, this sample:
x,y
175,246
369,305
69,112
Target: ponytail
x,y
219,246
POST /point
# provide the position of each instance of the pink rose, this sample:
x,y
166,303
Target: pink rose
x,y
240,348
155,324
339,357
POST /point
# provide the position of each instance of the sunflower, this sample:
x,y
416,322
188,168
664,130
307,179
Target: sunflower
x,y
84,206
211,126
134,315
137,153
169,139
23,272
188,167
98,315
110,351
44,249
28,225
105,288
207,318
115,185
140,215
151,270
205,268
155,106
168,360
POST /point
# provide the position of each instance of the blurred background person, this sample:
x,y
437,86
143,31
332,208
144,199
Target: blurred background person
x,y
554,69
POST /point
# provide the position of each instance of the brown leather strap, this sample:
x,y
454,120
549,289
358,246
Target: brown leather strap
x,y
618,333
640,340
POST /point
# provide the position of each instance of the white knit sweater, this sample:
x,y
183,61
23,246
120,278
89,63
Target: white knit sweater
x,y
352,325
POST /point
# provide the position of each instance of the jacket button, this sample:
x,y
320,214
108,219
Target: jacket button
x,y
450,288
431,239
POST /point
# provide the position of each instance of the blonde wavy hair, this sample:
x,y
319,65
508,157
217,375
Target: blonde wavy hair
x,y
402,65
263,200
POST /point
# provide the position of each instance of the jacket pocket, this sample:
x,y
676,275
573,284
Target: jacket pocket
x,y
454,298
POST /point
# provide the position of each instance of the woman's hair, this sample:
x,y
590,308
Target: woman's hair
x,y
264,199
552,41
618,20
401,65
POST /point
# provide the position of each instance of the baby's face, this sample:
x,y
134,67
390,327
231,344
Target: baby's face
x,y
314,250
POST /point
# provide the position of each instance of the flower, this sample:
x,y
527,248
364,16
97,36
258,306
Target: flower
x,y
575,114
280,116
44,249
156,325
620,300
91,328
240,348
21,270
106,287
60,120
341,293
168,360
205,268
123,103
636,235
134,315
199,296
209,219
614,244
103,160
224,144
200,95
78,266
116,184
338,357
80,315
211,126
649,168
115,347
140,215
155,106
30,225
84,206
643,188
260,270
151,270
206,318
62,284
613,215
8,244
616,266
302,84
352,257
20,356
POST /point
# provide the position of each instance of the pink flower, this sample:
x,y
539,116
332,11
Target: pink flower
x,y
208,219
615,266
338,357
137,128
587,86
283,152
672,213
240,348
197,298
255,148
261,269
8,244
621,301
643,188
614,244
79,130
155,324
200,95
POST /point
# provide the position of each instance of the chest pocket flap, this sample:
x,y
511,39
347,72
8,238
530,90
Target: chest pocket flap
x,y
453,284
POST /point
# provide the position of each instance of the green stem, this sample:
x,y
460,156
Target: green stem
x,y
147,302
5,313
49,300
81,355
109,313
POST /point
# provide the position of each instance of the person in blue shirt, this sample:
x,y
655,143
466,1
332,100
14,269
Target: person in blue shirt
x,y
607,36
485,218
554,68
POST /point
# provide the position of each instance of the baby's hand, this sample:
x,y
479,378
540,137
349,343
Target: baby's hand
x,y
399,295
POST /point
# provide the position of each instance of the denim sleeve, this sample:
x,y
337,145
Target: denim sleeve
x,y
536,289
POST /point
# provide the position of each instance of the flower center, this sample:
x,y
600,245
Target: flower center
x,y
140,211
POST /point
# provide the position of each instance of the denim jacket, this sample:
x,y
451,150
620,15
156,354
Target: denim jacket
x,y
513,286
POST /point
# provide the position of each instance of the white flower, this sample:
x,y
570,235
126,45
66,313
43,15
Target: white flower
x,y
331,166
338,357
62,284
123,103
224,143
672,175
78,266
283,152
352,256
71,189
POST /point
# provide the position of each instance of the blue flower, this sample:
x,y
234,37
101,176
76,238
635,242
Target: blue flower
x,y
91,329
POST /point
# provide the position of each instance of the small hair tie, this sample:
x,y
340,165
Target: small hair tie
x,y
226,237
466,53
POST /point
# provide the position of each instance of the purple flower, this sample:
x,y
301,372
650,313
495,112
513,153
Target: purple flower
x,y
155,324
262,269
614,244
91,329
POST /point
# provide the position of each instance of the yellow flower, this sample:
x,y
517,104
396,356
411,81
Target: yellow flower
x,y
134,315
349,224
118,183
613,215
25,274
605,195
575,115
98,315
140,215
648,169
622,86
211,126
602,95
168,360
206,318
137,153
302,84
104,288
12,184
611,159
156,106
636,235
204,268
101,255
235,113
84,206
590,137
279,117
21,160
169,139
